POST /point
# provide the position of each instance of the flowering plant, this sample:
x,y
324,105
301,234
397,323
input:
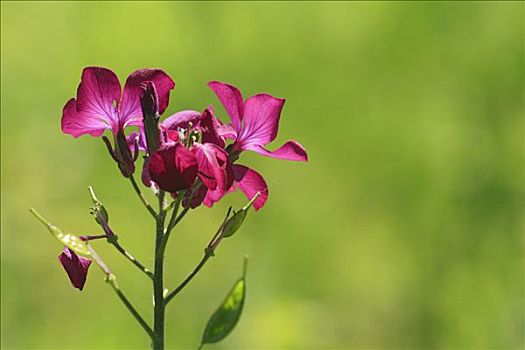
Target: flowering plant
x,y
190,159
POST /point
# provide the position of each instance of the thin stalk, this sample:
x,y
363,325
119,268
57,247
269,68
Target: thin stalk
x,y
188,279
175,211
112,280
208,253
158,279
131,258
142,197
169,229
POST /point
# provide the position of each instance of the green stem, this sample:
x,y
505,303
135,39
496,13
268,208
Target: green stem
x,y
158,279
131,258
112,280
142,197
188,279
175,212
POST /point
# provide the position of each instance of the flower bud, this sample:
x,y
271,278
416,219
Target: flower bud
x,y
75,266
98,211
149,103
123,153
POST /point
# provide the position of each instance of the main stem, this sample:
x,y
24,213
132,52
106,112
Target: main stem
x,y
158,279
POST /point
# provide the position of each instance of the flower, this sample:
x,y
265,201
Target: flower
x,y
254,125
173,168
76,267
101,104
206,160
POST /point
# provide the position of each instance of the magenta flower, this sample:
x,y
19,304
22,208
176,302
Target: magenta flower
x,y
76,267
173,168
254,125
207,160
101,104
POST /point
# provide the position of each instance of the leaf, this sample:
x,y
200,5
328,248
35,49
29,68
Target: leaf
x,y
225,318
72,242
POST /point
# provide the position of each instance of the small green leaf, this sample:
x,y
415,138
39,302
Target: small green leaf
x,y
72,242
223,321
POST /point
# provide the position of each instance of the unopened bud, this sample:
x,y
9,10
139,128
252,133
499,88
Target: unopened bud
x,y
149,103
101,215
123,153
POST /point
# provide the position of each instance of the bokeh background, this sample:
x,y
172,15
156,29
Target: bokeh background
x,y
405,229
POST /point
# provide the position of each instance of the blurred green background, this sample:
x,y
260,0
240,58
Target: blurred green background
x,y
405,229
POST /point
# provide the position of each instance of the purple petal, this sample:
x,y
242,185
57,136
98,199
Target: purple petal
x,y
97,94
181,120
231,99
291,150
130,112
76,267
173,168
212,162
261,120
227,131
209,126
145,176
77,124
250,182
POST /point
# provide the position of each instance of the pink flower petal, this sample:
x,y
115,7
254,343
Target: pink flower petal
x,y
173,168
130,112
181,120
209,126
76,267
77,123
213,162
250,182
231,99
227,131
291,150
94,108
261,120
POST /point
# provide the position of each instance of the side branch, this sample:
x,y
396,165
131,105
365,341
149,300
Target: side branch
x,y
142,197
112,280
188,279
131,258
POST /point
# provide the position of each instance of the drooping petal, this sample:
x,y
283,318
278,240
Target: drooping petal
x,y
76,267
77,123
213,162
231,99
173,168
250,182
291,150
261,120
181,120
130,112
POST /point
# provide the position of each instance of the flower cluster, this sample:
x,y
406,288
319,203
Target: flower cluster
x,y
190,153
